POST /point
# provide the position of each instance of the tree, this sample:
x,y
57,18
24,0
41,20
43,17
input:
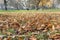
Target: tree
x,y
37,4
43,3
34,3
5,3
46,3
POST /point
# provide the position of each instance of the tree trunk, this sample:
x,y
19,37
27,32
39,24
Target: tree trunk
x,y
5,3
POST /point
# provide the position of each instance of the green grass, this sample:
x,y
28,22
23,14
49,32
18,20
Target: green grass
x,y
11,30
40,10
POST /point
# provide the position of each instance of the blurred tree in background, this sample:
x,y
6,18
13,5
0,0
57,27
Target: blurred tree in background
x,y
31,4
5,3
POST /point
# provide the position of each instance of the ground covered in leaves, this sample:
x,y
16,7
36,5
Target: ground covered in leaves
x,y
30,26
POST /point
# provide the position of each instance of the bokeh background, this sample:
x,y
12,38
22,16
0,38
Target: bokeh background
x,y
28,4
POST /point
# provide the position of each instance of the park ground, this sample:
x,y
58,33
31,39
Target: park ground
x,y
31,21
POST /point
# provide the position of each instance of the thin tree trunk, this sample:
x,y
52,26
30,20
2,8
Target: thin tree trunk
x,y
37,4
5,3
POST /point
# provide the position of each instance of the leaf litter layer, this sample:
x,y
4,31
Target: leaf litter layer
x,y
40,25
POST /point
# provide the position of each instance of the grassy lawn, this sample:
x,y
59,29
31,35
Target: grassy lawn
x,y
40,10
